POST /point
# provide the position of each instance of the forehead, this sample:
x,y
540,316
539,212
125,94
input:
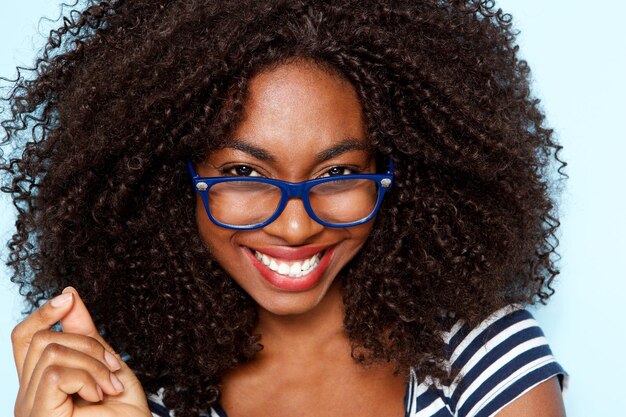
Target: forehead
x,y
300,106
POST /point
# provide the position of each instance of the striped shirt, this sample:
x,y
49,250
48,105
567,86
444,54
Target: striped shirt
x,y
497,361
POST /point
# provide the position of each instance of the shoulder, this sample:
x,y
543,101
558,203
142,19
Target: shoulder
x,y
495,363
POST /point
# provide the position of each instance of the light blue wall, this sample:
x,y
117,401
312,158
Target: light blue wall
x,y
578,57
21,34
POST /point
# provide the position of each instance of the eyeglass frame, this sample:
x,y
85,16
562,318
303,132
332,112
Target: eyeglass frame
x,y
290,190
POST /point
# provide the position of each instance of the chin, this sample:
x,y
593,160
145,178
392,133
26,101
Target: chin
x,y
287,309
281,303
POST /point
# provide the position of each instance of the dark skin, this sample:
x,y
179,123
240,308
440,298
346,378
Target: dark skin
x,y
294,112
301,117
543,400
300,371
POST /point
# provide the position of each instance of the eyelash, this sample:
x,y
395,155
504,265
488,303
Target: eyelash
x,y
230,171
343,169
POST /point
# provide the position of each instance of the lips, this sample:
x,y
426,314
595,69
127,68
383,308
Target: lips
x,y
290,253
291,269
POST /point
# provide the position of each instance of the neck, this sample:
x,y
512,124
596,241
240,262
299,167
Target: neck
x,y
316,330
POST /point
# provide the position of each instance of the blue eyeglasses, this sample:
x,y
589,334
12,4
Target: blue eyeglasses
x,y
246,203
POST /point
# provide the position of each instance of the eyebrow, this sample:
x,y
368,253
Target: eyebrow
x,y
346,145
245,146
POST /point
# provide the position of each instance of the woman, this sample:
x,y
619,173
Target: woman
x,y
282,208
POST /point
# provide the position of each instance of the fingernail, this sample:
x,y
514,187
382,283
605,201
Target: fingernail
x,y
68,289
61,300
112,360
100,393
117,383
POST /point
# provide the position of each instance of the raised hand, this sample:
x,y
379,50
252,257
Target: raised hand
x,y
73,373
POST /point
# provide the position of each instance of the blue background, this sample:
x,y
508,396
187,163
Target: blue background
x,y
578,56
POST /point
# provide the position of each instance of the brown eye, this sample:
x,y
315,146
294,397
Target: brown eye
x,y
337,171
243,170
240,171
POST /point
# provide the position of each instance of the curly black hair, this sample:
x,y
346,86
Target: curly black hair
x,y
126,91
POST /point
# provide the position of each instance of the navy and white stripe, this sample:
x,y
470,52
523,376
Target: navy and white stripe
x,y
158,409
496,362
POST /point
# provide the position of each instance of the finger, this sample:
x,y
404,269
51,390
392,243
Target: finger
x,y
60,356
41,319
85,344
54,392
79,321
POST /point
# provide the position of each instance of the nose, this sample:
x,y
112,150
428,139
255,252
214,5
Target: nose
x,y
294,225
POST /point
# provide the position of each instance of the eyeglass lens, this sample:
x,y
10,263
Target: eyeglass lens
x,y
245,203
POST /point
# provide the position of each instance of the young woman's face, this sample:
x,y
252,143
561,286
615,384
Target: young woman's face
x,y
299,123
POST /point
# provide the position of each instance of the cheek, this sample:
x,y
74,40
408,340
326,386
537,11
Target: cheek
x,y
359,235
211,235
363,231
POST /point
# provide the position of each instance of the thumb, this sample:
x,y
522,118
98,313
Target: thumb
x,y
78,320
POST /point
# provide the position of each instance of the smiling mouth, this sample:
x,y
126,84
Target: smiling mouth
x,y
293,269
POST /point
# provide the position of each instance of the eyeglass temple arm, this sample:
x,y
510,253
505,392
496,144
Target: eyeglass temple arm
x,y
192,171
390,170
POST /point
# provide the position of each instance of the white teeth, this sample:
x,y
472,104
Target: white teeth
x,y
283,269
294,270
273,265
